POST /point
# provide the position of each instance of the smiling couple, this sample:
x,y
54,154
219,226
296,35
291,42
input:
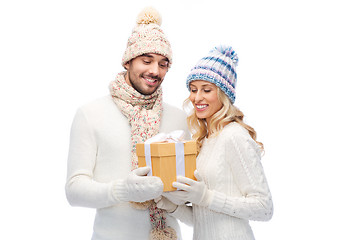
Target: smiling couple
x,y
103,172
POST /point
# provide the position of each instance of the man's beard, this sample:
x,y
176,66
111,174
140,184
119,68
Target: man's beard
x,y
138,89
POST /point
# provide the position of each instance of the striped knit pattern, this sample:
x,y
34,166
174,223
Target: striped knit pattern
x,y
219,68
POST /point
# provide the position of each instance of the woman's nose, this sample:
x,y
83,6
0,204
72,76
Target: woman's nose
x,y
198,96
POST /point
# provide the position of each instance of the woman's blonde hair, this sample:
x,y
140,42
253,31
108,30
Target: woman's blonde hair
x,y
227,114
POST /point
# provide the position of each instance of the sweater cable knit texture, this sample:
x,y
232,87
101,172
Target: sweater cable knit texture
x,y
230,165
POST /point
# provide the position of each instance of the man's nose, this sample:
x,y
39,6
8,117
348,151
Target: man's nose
x,y
154,69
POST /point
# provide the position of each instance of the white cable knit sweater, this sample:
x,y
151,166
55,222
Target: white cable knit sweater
x,y
230,166
100,160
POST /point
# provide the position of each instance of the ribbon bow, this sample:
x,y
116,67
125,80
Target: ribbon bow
x,y
174,136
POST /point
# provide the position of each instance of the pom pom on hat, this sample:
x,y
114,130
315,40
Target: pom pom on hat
x,y
219,68
147,37
227,51
149,15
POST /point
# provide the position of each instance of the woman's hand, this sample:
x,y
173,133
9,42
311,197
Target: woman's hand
x,y
176,197
193,191
164,203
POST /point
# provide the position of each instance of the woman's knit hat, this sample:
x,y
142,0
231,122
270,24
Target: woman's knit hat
x,y
218,67
147,37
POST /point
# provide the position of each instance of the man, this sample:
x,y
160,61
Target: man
x,y
102,164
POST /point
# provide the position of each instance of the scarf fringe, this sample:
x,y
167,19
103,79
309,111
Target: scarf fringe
x,y
167,233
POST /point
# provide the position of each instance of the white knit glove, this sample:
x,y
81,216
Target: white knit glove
x,y
194,191
164,203
141,187
176,197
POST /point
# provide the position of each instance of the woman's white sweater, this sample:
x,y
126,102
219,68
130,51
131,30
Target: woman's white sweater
x,y
230,165
100,161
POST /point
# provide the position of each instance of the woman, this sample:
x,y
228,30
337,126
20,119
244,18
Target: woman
x,y
231,187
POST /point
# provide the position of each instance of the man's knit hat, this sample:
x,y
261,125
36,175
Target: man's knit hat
x,y
218,67
147,37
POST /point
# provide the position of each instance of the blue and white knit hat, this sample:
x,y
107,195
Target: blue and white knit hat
x,y
218,67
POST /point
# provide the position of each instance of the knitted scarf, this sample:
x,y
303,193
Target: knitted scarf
x,y
144,115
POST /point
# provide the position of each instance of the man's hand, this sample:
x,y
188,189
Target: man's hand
x,y
141,187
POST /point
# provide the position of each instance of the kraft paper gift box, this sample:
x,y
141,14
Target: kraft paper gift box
x,y
169,159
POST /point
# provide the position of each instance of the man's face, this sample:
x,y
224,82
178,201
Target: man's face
x,y
145,73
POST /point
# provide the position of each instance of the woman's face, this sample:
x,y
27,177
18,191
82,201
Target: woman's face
x,y
204,98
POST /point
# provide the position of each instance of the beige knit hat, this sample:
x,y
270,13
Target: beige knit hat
x,y
147,37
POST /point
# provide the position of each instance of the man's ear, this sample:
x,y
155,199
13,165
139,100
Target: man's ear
x,y
126,65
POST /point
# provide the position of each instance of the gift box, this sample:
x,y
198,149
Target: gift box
x,y
168,159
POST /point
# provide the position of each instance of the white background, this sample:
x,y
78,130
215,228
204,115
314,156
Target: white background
x,y
298,72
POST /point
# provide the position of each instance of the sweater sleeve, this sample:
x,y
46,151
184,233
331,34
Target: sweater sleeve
x,y
243,155
81,189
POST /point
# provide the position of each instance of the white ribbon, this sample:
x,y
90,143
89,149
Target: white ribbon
x,y
174,136
148,157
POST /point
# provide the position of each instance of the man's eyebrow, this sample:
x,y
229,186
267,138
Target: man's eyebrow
x,y
147,55
151,56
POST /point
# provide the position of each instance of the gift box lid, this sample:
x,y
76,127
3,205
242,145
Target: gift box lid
x,y
166,148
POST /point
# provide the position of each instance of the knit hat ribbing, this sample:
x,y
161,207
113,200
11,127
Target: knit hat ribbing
x,y
219,68
147,37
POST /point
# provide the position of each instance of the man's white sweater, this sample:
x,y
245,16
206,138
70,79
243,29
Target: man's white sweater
x,y
100,160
